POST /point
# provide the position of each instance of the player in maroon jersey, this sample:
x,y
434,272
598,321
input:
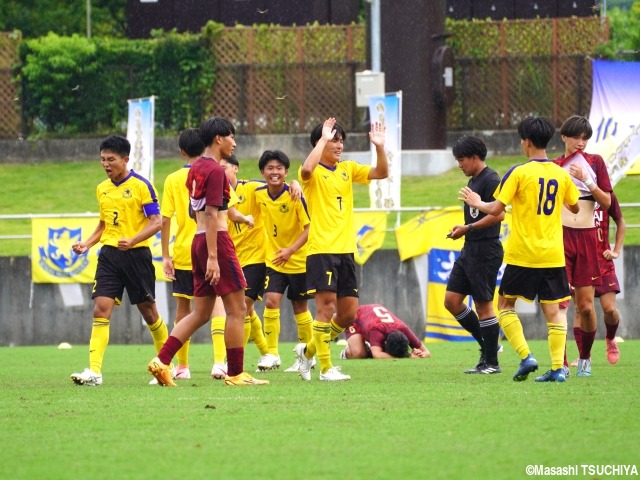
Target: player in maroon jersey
x,y
378,333
610,286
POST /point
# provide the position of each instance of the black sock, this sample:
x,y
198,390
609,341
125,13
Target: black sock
x,y
469,321
490,332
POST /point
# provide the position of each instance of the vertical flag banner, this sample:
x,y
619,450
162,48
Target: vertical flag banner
x,y
387,109
615,103
141,135
427,233
370,229
52,259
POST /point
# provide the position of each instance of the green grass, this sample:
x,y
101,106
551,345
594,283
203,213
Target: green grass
x,y
394,419
70,188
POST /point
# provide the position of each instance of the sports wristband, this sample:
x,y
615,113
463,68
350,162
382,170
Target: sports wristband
x,y
588,182
470,225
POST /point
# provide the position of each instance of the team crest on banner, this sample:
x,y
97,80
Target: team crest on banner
x,y
52,256
370,230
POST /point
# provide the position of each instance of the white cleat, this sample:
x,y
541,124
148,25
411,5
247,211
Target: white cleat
x,y
219,371
268,362
88,378
333,375
304,364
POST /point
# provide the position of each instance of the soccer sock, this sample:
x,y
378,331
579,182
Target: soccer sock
x,y
247,329
512,328
169,349
577,336
587,343
336,329
310,349
183,353
235,361
304,321
557,335
257,335
159,333
322,340
217,339
490,331
98,343
271,319
611,331
469,321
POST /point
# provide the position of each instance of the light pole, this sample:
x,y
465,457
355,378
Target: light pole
x,y
88,18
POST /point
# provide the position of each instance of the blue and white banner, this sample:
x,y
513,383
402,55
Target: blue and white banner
x,y
141,136
614,116
387,109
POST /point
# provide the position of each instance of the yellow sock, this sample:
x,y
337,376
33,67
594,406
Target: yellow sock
x,y
335,329
512,328
557,341
247,329
257,335
217,339
98,343
271,319
183,354
304,321
159,333
322,340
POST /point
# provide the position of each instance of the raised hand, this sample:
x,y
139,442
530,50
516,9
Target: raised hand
x,y
378,134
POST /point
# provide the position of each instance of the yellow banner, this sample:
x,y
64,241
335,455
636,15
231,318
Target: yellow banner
x,y
370,229
415,236
53,260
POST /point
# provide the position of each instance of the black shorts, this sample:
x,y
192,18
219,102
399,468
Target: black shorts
x,y
476,270
294,283
333,272
131,269
255,276
183,284
550,285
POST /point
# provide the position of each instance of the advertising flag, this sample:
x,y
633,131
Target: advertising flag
x,y
141,135
387,109
370,230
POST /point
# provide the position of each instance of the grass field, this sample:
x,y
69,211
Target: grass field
x,y
400,419
70,188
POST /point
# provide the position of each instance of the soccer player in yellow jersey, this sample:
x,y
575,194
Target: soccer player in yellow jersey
x,y
327,183
286,222
534,253
129,216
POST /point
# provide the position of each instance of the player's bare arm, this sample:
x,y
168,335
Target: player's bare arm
x,y
377,136
603,198
236,217
209,222
312,161
472,199
282,255
167,262
81,247
459,231
153,226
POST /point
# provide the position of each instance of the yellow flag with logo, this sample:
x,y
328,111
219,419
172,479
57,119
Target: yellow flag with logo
x,y
370,229
414,236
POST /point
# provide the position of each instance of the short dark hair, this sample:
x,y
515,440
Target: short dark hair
x,y
397,344
191,142
575,126
538,130
232,160
316,133
213,127
116,144
273,155
468,146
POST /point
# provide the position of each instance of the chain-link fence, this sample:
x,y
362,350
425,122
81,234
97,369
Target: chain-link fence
x,y
9,101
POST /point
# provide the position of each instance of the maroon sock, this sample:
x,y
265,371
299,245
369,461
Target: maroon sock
x,y
169,349
235,361
566,362
587,343
577,335
611,330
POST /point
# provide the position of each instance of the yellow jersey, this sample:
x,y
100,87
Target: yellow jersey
x,y
249,242
175,201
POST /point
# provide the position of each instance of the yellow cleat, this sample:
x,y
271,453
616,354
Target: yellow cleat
x,y
161,372
244,380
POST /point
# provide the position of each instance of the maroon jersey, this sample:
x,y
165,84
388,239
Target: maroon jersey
x,y
601,219
597,165
208,185
374,322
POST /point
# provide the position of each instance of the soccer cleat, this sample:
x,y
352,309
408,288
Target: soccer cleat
x,y
567,372
181,373
487,369
88,378
295,368
219,371
333,375
584,368
613,352
343,354
304,364
556,375
575,362
162,372
500,348
477,368
154,381
244,380
527,365
268,362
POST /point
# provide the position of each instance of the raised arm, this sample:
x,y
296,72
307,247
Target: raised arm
x,y
377,136
311,162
